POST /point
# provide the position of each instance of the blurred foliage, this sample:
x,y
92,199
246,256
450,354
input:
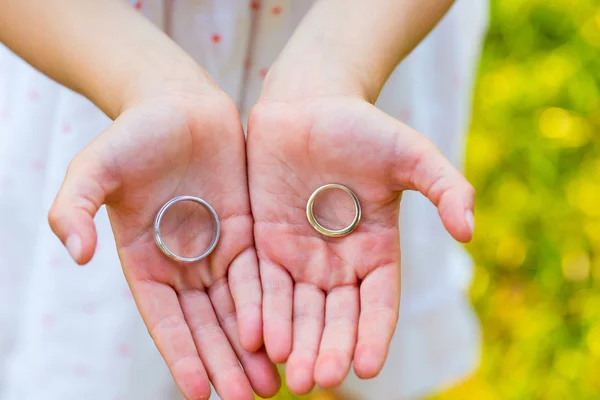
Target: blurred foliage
x,y
534,157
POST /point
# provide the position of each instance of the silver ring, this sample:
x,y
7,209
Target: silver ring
x,y
158,237
312,220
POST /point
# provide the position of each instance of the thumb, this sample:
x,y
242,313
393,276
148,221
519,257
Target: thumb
x,y
82,193
423,167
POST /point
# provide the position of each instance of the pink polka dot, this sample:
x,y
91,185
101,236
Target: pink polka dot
x,y
276,10
66,128
456,80
33,96
124,350
138,5
89,308
263,72
404,114
42,381
6,182
127,294
215,38
4,115
255,5
81,370
56,262
37,165
47,321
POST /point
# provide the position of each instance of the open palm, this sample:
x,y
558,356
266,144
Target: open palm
x,y
168,146
330,301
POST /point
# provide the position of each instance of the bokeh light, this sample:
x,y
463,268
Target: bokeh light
x,y
536,115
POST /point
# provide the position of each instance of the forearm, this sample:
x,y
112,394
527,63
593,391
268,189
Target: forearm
x,y
352,46
102,49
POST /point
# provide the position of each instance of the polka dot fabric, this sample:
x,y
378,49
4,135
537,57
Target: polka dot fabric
x,y
71,333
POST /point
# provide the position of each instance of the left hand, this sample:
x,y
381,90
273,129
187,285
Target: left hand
x,y
329,301
203,316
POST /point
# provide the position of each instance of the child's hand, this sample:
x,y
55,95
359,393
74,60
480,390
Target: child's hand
x,y
329,301
203,316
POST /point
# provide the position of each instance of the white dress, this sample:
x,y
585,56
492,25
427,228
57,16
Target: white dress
x,y
69,333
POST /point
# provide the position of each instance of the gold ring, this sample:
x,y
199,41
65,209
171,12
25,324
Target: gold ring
x,y
330,232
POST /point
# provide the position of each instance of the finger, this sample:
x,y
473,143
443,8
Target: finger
x,y
309,315
216,353
277,310
244,283
82,193
424,168
263,375
164,318
379,302
339,337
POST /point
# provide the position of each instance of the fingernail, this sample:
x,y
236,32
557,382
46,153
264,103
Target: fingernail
x,y
74,246
470,220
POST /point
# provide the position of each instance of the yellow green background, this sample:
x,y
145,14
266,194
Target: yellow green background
x,y
534,157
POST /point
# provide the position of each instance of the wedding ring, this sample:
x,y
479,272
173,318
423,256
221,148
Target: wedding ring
x,y
158,237
330,232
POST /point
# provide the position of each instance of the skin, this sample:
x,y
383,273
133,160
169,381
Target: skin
x,y
331,302
174,133
203,315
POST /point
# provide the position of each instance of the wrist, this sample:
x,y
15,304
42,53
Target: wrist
x,y
329,56
125,59
350,47
177,79
303,72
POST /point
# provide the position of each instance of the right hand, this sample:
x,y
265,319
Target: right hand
x,y
204,317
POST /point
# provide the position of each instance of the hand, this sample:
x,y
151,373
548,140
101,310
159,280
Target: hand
x,y
329,301
203,316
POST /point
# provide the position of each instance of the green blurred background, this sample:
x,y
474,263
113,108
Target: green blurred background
x,y
534,157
